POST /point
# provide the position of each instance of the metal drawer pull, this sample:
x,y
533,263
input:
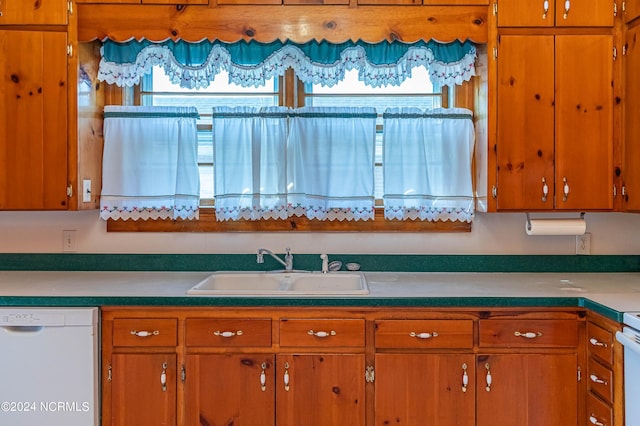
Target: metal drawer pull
x,y
163,377
321,333
144,333
528,334
567,6
263,377
596,379
545,8
489,378
423,335
286,376
596,342
594,420
465,377
227,333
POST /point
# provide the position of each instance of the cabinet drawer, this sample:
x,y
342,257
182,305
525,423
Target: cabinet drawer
x,y
598,413
145,332
600,342
424,333
322,332
228,332
600,380
528,333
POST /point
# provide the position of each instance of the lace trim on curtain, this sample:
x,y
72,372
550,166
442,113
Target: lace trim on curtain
x,y
289,56
433,214
179,207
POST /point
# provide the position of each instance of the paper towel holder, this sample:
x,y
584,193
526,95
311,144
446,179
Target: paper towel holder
x,y
582,214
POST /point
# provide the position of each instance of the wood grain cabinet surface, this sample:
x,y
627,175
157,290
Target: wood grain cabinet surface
x,y
558,13
359,366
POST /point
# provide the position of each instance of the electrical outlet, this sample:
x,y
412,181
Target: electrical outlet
x,y
86,191
69,240
583,243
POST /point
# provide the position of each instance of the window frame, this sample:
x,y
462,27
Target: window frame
x,y
291,93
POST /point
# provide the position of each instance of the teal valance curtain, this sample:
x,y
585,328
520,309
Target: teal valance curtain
x,y
250,63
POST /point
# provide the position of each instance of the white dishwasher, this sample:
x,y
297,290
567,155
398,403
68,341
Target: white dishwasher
x,y
49,367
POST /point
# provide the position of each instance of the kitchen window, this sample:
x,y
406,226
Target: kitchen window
x,y
289,90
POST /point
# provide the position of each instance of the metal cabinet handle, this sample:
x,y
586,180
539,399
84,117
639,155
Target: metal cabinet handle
x,y
528,334
565,189
321,333
163,377
596,379
545,9
594,420
489,378
263,377
567,6
423,335
227,333
286,377
545,190
144,333
465,377
596,342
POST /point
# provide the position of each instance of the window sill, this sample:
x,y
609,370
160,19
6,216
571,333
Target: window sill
x,y
208,223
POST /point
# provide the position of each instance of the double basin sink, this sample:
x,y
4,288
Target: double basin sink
x,y
287,283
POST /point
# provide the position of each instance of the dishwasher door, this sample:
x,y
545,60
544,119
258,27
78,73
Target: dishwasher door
x,y
49,367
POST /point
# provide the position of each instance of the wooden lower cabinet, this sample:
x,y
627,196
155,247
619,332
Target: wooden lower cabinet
x,y
344,366
527,389
230,389
424,389
143,389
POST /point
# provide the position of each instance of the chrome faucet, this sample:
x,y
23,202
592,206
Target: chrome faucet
x,y
287,262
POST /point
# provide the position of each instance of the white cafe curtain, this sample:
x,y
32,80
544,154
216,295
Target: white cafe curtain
x,y
150,168
330,163
275,163
249,162
427,164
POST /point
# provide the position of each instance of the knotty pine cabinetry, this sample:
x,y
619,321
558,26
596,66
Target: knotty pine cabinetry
x,y
631,60
604,375
140,380
329,366
555,106
41,161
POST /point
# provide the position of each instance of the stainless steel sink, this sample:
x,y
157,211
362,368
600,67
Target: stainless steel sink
x,y
282,284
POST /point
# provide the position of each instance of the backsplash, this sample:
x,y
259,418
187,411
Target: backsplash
x,y
368,262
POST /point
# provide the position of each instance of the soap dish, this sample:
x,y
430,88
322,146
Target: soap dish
x,y
353,266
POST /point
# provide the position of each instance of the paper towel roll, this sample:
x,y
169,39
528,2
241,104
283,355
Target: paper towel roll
x,y
556,226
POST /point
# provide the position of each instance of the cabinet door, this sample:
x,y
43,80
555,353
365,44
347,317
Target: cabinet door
x,y
24,12
424,389
525,122
138,395
561,13
580,13
529,13
584,122
527,390
230,389
320,390
33,120
631,173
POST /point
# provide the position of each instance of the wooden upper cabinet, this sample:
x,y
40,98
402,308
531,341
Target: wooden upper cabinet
x,y
555,122
631,171
33,120
34,12
584,122
559,13
631,11
525,122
